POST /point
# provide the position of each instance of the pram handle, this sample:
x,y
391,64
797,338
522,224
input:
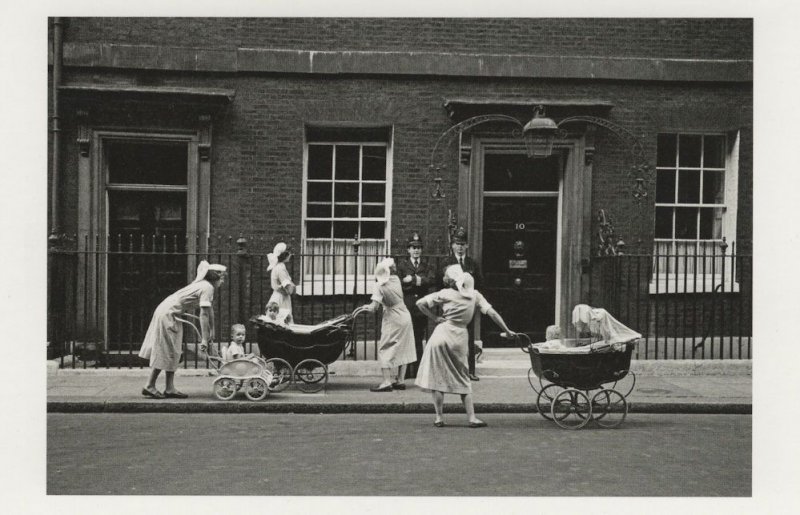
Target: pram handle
x,y
216,361
523,338
359,310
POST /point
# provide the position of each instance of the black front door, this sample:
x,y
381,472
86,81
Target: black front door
x,y
520,228
147,213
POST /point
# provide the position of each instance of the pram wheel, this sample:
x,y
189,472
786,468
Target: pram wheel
x,y
256,389
282,373
311,375
571,409
545,399
225,388
609,408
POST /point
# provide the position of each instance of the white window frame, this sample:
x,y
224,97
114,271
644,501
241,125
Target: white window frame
x,y
724,272
337,283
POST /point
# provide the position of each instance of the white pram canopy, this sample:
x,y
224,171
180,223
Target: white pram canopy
x,y
303,328
613,334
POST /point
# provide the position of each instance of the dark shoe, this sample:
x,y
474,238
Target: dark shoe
x,y
387,388
477,424
439,423
398,386
152,395
473,377
175,395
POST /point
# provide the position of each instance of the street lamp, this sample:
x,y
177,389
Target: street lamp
x,y
539,134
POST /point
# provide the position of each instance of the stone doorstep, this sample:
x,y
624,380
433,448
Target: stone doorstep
x,y
487,368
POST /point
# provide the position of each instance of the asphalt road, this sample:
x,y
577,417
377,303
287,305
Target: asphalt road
x,y
384,454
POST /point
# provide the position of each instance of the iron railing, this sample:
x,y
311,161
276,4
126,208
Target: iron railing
x,y
102,295
687,304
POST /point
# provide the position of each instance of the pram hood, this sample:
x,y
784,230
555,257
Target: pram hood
x,y
301,328
613,334
599,322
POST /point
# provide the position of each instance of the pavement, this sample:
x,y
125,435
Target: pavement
x,y
661,386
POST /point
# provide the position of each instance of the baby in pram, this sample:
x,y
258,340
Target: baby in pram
x,y
276,315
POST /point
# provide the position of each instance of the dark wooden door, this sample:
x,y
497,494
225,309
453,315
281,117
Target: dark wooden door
x,y
147,213
520,228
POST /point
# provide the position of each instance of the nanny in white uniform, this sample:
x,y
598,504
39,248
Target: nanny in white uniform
x,y
163,341
281,282
396,349
443,367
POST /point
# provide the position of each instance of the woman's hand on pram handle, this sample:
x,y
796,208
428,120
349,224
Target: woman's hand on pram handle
x,y
523,339
362,309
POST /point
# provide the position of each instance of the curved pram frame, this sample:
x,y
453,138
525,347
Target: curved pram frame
x,y
251,375
573,388
305,355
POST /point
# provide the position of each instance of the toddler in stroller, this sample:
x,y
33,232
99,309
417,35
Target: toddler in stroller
x,y
240,371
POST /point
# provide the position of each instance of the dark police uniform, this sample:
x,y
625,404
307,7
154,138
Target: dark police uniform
x,y
413,292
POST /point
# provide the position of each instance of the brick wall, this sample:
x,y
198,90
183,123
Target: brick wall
x,y
644,37
258,144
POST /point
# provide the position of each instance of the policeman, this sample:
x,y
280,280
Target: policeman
x,y
416,277
459,247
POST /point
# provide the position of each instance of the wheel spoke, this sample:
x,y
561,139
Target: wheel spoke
x,y
609,408
571,409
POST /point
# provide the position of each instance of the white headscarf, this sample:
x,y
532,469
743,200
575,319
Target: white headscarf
x,y
463,280
204,267
383,270
279,249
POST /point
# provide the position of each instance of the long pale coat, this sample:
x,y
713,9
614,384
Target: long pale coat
x,y
164,339
443,366
397,333
279,279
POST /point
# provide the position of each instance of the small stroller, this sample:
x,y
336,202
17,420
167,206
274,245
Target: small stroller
x,y
573,375
252,375
300,354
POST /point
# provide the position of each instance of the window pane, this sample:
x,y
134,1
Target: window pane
x,y
136,216
689,150
320,161
347,162
147,162
346,192
319,192
374,167
318,210
372,211
664,222
345,229
345,211
713,192
688,186
714,152
665,186
372,230
667,149
318,229
686,223
374,192
515,172
710,223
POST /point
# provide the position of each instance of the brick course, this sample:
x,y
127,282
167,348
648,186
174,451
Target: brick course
x,y
690,38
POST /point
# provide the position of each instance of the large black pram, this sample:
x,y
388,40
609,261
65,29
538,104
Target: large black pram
x,y
574,378
300,354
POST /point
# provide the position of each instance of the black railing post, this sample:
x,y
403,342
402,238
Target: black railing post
x,y
245,277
